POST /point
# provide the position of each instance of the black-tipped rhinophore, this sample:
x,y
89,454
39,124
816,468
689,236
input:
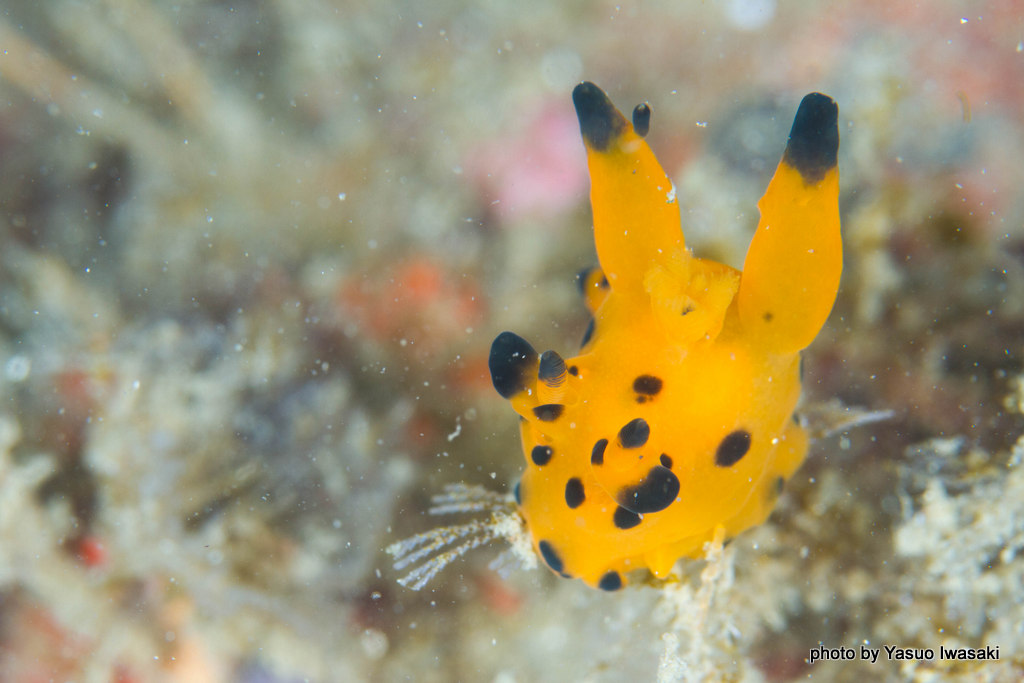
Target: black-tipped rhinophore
x,y
814,138
642,119
513,363
600,121
552,369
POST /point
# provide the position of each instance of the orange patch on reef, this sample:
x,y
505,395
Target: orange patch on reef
x,y
499,596
91,552
471,374
416,300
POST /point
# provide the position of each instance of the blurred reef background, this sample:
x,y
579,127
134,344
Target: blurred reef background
x,y
252,257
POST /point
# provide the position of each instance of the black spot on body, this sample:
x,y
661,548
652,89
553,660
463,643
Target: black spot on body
x,y
511,363
647,385
517,493
597,454
666,461
814,139
551,557
588,333
642,119
625,519
552,369
610,582
589,278
549,412
634,434
541,455
654,493
574,371
574,494
732,449
600,121
582,277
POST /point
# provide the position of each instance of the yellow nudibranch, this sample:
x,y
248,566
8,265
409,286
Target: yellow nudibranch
x,y
675,424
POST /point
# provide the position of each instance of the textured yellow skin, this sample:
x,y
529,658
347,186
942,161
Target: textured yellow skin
x,y
725,345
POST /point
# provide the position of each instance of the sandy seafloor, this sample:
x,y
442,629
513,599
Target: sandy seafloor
x,y
252,257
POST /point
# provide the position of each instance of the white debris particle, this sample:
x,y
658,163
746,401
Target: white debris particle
x,y
458,430
17,368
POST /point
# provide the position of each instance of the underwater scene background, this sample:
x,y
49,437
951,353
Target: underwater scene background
x,y
252,259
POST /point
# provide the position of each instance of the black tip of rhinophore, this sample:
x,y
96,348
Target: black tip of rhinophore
x,y
600,121
552,369
513,363
814,138
642,119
